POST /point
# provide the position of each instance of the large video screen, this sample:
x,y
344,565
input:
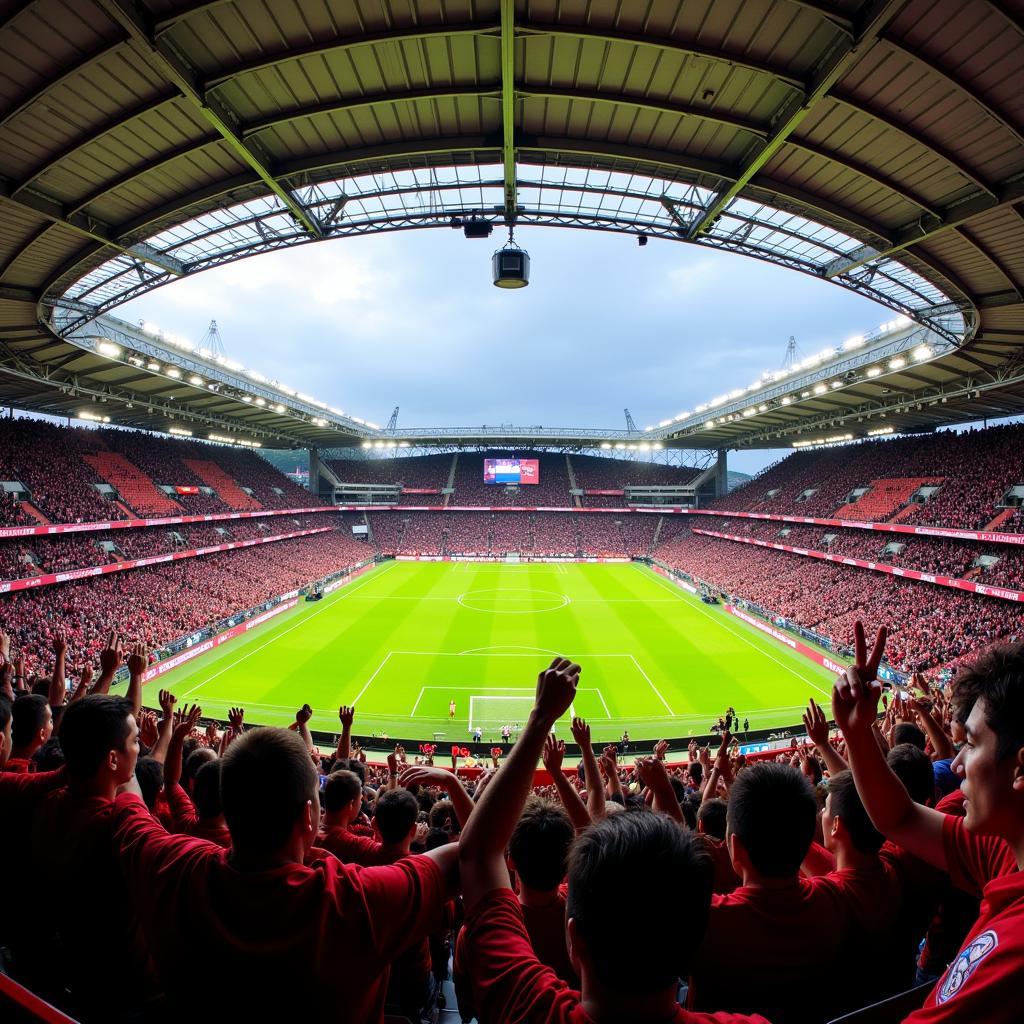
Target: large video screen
x,y
511,471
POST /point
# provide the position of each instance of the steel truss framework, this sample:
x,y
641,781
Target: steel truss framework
x,y
548,196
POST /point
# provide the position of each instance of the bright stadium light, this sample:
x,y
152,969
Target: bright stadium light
x,y
874,371
173,371
108,348
897,363
922,353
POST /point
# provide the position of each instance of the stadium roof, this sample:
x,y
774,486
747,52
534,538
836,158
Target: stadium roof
x,y
879,145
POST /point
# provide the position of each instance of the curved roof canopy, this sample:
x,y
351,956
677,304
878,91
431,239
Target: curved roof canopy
x,y
879,145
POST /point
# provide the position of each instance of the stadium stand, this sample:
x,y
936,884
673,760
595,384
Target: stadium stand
x,y
972,471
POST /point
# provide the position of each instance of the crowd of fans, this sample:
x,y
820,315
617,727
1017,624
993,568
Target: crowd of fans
x,y
974,470
158,604
932,626
153,859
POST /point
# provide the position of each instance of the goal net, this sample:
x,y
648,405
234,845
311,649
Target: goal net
x,y
488,712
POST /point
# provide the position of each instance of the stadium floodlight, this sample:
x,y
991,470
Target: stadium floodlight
x,y
196,380
786,400
897,363
835,384
261,401
820,389
874,371
93,417
922,353
246,398
605,446
173,371
180,432
108,348
153,365
279,407
510,265
367,444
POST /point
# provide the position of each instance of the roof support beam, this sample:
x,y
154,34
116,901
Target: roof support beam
x,y
921,231
795,110
88,227
935,66
213,111
508,107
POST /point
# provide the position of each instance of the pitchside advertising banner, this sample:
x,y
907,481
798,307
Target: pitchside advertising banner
x,y
511,471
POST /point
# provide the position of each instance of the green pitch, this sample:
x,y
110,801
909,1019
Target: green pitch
x,y
404,640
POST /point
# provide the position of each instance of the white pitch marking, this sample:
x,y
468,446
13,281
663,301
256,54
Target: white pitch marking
x,y
387,658
302,621
735,632
657,692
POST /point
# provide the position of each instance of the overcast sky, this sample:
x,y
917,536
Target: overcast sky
x,y
412,319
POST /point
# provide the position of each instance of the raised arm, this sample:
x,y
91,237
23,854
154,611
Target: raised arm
x,y
60,651
163,735
346,714
302,717
721,770
654,776
941,741
110,661
138,662
462,802
553,754
817,729
482,843
855,706
595,785
184,722
610,766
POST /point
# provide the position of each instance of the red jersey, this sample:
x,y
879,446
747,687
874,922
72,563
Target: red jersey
x,y
725,878
317,937
545,925
350,848
19,766
511,984
20,796
984,982
72,838
184,819
788,940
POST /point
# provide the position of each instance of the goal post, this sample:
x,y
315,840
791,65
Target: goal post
x,y
487,711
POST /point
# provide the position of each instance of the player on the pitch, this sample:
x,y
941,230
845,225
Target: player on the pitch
x,y
451,708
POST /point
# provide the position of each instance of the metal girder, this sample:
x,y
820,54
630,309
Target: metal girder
x,y
322,49
342,105
1000,7
14,293
915,134
94,135
88,227
957,82
52,81
1000,266
508,107
690,48
796,108
920,231
214,112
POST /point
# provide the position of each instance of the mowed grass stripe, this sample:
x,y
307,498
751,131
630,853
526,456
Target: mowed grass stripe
x,y
697,658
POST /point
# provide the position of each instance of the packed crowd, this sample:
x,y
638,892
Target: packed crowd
x,y
932,625
158,604
190,855
999,565
58,467
976,469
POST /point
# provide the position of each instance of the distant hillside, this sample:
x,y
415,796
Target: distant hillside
x,y
735,479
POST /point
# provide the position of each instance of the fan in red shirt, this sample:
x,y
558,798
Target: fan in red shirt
x,y
669,879
314,936
983,852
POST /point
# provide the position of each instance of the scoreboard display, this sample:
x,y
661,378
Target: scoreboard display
x,y
511,471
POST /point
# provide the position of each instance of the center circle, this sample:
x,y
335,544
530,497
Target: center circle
x,y
512,601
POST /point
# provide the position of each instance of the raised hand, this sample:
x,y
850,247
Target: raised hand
x,y
661,749
112,655
6,675
235,718
816,724
346,714
60,644
5,646
581,732
186,720
167,702
148,732
83,684
138,660
856,692
304,714
556,689
212,734
704,757
553,753
424,775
